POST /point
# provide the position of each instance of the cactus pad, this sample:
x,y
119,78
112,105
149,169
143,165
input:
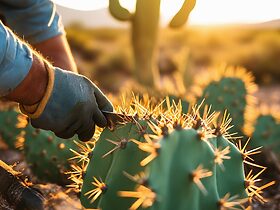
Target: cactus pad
x,y
227,88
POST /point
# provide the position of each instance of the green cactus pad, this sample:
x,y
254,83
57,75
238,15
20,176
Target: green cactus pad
x,y
229,89
227,94
226,181
171,173
266,133
47,154
183,161
111,167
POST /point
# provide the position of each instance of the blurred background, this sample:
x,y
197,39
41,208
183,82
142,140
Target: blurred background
x,y
245,33
152,45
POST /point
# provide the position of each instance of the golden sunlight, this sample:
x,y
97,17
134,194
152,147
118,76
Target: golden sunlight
x,y
205,12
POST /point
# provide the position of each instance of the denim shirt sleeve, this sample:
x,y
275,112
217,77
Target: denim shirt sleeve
x,y
15,60
33,20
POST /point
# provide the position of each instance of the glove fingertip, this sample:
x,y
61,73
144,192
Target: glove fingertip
x,y
102,122
86,136
109,107
33,124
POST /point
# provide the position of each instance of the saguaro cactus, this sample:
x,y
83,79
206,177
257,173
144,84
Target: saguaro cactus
x,y
144,32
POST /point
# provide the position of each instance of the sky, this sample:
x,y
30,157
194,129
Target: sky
x,y
205,12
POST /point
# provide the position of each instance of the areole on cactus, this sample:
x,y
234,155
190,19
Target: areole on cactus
x,y
164,159
144,33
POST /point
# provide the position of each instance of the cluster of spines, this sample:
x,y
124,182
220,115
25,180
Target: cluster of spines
x,y
209,125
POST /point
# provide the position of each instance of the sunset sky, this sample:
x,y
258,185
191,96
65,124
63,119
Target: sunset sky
x,y
205,12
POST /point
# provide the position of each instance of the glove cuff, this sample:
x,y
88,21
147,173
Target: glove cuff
x,y
34,111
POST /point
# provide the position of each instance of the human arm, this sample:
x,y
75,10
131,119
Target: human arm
x,y
63,102
57,51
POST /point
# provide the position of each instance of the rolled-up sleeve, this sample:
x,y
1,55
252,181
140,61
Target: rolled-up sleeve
x,y
15,60
34,20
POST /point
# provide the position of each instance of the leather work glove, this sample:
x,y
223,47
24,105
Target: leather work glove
x,y
71,105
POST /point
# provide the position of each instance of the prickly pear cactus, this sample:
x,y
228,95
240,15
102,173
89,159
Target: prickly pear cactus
x,y
227,88
181,160
12,123
264,129
114,154
177,180
179,177
47,154
229,160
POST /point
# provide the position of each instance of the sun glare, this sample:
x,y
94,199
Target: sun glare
x,y
205,12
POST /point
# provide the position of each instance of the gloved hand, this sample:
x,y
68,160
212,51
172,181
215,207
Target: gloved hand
x,y
71,105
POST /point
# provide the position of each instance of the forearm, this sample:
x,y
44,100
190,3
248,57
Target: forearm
x,y
58,52
23,77
31,90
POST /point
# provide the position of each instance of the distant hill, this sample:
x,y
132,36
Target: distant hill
x,y
91,19
269,24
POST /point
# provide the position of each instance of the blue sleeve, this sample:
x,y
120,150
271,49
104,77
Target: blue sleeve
x,y
34,20
15,60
